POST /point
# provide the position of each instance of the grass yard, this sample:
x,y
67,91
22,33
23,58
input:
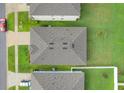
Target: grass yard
x,y
12,88
11,21
20,88
23,22
98,79
23,88
121,87
23,59
11,58
105,33
121,78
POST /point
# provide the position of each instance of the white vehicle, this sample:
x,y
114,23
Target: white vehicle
x,y
25,83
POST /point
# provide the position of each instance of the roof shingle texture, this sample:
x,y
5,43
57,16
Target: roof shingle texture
x,y
58,45
57,80
55,9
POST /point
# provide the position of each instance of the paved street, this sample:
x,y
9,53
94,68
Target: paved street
x,y
3,64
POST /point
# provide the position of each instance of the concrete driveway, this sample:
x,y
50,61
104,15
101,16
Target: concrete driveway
x,y
12,7
12,81
18,38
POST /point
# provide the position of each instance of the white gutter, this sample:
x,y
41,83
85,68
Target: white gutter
x,y
120,84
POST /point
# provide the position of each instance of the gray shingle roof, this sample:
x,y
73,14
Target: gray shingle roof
x,y
55,9
58,45
57,80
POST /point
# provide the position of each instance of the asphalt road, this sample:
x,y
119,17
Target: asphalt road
x,y
3,64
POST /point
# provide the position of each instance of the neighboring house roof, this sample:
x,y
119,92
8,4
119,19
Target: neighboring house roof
x,y
55,9
58,45
57,80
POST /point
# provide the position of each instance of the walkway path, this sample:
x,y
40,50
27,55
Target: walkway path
x,y
16,47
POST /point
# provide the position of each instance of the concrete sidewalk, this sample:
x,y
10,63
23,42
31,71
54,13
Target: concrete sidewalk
x,y
18,38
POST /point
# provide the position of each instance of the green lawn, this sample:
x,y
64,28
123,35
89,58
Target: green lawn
x,y
20,88
10,21
23,88
121,87
12,88
121,78
23,58
105,33
23,22
98,79
11,58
